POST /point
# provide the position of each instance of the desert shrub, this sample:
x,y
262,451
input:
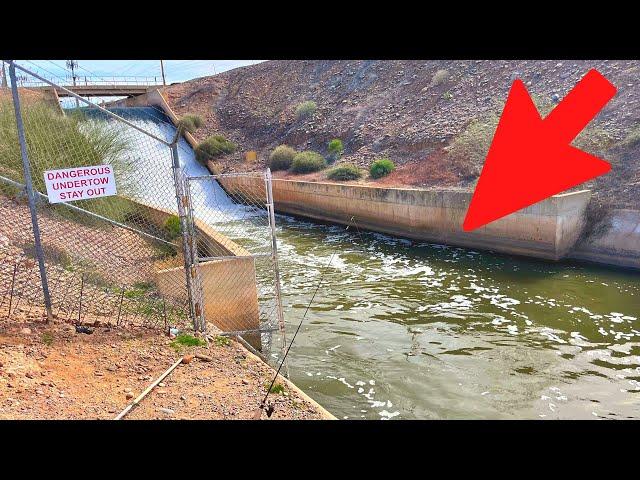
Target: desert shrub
x,y
346,171
56,141
472,145
381,168
447,96
281,158
214,146
335,149
306,109
186,340
276,388
632,138
440,77
190,123
47,338
172,226
594,139
307,162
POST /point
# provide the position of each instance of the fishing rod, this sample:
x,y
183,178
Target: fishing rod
x,y
263,405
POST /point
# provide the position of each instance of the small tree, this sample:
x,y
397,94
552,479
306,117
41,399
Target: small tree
x,y
172,227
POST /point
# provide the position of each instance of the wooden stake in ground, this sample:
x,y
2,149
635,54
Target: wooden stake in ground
x,y
149,388
13,281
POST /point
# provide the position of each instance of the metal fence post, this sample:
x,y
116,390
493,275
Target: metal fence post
x,y
274,257
188,254
30,194
196,279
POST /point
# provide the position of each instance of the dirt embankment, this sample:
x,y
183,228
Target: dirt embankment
x,y
433,118
52,372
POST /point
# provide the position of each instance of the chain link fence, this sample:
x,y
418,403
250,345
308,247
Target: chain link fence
x,y
235,256
93,259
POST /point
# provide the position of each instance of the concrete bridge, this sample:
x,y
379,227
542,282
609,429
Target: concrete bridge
x,y
94,86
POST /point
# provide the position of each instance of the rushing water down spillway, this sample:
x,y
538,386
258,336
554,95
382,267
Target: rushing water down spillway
x,y
402,329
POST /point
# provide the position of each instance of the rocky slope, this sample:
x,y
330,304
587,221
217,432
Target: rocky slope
x,y
436,126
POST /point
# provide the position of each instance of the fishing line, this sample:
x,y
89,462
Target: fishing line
x,y
263,405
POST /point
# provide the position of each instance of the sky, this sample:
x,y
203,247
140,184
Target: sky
x,y
175,70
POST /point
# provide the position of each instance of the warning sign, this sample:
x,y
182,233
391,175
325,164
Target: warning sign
x,y
80,183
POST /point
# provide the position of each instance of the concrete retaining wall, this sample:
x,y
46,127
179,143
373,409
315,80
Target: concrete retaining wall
x,y
548,229
616,243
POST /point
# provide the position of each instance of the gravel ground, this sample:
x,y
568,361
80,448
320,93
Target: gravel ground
x,y
52,372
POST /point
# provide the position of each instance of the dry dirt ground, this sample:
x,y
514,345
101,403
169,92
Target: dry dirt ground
x,y
52,372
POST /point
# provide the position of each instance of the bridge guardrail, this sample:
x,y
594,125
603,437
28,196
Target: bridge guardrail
x,y
81,80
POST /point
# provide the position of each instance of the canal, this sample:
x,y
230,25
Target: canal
x,y
402,329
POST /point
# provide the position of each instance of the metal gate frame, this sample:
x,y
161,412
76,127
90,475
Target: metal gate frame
x,y
196,285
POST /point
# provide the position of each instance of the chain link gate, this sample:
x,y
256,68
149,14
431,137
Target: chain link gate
x,y
111,259
235,259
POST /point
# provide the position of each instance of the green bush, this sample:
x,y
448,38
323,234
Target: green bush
x,y
307,162
335,149
172,226
186,340
214,146
281,158
346,171
381,168
190,123
306,109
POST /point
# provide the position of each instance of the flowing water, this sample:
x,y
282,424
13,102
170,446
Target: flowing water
x,y
403,329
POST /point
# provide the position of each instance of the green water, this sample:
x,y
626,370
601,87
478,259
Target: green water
x,y
406,330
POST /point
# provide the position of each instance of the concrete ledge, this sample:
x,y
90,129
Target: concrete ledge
x,y
547,230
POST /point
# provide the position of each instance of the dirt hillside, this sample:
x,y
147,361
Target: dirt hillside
x,y
434,119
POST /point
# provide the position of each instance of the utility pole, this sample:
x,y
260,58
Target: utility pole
x,y
73,64
4,76
164,82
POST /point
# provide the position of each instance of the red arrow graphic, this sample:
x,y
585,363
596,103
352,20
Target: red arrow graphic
x,y
531,158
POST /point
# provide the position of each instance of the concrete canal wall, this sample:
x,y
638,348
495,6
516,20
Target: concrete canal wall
x,y
616,241
153,98
547,230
